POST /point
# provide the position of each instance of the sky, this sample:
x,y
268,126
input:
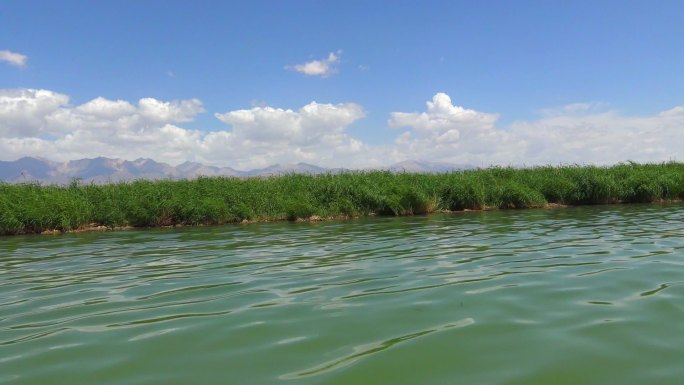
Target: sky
x,y
353,84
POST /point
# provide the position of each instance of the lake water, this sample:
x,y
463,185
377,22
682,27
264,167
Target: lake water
x,y
588,295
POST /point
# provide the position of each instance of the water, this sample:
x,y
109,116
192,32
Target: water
x,y
591,295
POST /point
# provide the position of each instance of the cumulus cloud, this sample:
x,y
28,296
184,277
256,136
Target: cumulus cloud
x,y
44,123
265,135
442,116
444,132
13,58
601,138
576,133
175,111
322,68
23,112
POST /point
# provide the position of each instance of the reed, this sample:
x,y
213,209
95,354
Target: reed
x,y
35,208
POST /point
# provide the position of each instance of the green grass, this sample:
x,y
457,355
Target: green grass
x,y
34,208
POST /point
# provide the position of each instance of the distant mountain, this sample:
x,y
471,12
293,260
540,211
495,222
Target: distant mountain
x,y
103,170
111,170
194,170
298,168
26,169
427,167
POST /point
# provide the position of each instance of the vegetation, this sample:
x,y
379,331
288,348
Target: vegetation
x,y
34,208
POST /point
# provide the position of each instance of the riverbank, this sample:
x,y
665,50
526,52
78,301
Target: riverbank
x,y
34,208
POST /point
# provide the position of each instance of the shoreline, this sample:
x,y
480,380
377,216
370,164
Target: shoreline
x,y
317,218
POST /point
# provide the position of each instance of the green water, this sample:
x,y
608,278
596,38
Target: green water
x,y
591,295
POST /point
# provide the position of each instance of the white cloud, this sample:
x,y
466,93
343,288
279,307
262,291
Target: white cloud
x,y
177,111
322,68
106,109
442,116
444,132
265,135
602,138
23,111
13,58
43,123
674,112
577,133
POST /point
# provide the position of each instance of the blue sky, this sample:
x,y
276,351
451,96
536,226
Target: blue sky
x,y
227,83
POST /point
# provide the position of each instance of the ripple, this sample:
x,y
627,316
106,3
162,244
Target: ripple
x,y
659,289
153,334
353,302
366,350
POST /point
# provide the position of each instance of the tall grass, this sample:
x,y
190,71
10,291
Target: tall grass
x,y
34,208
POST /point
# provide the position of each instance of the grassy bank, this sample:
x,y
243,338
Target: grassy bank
x,y
32,208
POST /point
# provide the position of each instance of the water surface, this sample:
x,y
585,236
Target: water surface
x,y
590,295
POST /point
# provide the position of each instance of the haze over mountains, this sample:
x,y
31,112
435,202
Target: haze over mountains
x,y
103,170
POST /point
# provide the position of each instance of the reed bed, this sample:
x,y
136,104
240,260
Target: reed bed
x,y
34,208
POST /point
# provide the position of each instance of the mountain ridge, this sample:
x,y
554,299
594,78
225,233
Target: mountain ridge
x,y
106,170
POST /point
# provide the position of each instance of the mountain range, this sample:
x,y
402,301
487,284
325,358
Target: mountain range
x,y
103,170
